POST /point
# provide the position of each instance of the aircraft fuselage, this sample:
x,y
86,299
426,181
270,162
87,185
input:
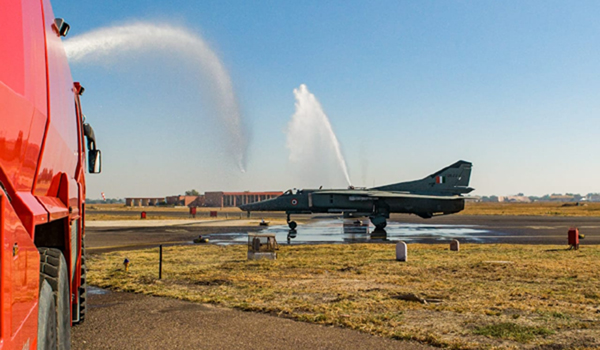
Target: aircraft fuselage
x,y
440,193
359,202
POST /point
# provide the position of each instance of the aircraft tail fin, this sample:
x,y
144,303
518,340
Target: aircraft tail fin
x,y
451,180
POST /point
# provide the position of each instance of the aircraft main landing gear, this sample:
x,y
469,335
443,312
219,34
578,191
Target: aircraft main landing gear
x,y
378,221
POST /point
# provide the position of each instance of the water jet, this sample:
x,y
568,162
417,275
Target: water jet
x,y
109,43
315,152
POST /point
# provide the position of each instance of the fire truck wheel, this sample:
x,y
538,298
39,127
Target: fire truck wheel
x,y
53,268
83,288
46,318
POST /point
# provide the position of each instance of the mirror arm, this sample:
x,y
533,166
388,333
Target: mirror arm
x,y
91,137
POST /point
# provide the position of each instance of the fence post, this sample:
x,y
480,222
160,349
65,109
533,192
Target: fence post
x,y
160,263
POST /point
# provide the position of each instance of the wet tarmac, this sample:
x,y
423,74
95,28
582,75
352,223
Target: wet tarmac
x,y
469,230
332,229
338,231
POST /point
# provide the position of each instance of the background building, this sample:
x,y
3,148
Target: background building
x,y
209,199
194,201
233,199
144,201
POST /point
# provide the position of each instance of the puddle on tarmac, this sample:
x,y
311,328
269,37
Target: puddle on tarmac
x,y
96,291
339,231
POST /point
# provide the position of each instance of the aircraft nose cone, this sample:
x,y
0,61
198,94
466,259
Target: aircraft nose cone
x,y
249,206
256,206
244,207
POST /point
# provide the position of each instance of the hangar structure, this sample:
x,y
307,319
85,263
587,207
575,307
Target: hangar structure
x,y
144,202
233,199
193,201
216,199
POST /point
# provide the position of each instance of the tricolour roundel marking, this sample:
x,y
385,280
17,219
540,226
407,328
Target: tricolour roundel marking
x,y
294,201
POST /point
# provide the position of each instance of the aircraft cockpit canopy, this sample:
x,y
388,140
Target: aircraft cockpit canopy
x,y
293,191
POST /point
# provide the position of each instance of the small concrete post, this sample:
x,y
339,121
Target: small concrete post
x,y
160,262
401,251
455,245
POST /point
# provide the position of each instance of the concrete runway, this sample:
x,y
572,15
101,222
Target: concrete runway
x,y
132,321
124,235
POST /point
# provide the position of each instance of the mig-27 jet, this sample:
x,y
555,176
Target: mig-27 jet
x,y
440,193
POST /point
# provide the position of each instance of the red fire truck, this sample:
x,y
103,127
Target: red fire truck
x,y
42,185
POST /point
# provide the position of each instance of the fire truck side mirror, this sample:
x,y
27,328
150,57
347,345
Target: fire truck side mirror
x,y
94,155
94,161
61,27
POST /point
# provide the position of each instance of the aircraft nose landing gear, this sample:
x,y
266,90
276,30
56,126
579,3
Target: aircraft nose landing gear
x,y
291,224
291,235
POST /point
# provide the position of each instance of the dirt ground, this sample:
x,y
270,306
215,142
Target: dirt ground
x,y
132,321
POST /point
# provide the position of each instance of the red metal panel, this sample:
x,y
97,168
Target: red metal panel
x,y
55,207
30,211
23,97
16,117
61,135
20,277
35,58
12,69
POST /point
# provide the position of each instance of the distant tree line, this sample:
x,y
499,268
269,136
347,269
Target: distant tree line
x,y
107,201
554,197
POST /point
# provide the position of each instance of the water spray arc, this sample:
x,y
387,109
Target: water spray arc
x,y
314,149
105,43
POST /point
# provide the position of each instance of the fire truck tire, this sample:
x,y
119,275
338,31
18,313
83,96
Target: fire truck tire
x,y
83,288
46,339
53,268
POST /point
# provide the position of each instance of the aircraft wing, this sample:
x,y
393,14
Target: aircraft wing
x,y
388,194
345,192
383,194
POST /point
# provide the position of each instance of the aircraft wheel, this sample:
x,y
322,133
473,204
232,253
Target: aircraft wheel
x,y
381,226
46,317
292,225
53,268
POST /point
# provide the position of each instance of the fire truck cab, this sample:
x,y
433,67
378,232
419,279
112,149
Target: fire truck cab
x,y
42,184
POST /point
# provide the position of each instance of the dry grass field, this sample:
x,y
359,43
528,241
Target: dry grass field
x,y
485,296
121,212
533,209
104,212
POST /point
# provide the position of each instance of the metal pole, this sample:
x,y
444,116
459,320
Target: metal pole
x,y
160,263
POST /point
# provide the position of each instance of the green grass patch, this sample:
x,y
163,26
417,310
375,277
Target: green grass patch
x,y
512,331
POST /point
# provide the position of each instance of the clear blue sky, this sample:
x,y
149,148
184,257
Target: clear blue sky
x,y
409,87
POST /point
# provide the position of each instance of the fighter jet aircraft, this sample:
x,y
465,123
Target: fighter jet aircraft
x,y
440,193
